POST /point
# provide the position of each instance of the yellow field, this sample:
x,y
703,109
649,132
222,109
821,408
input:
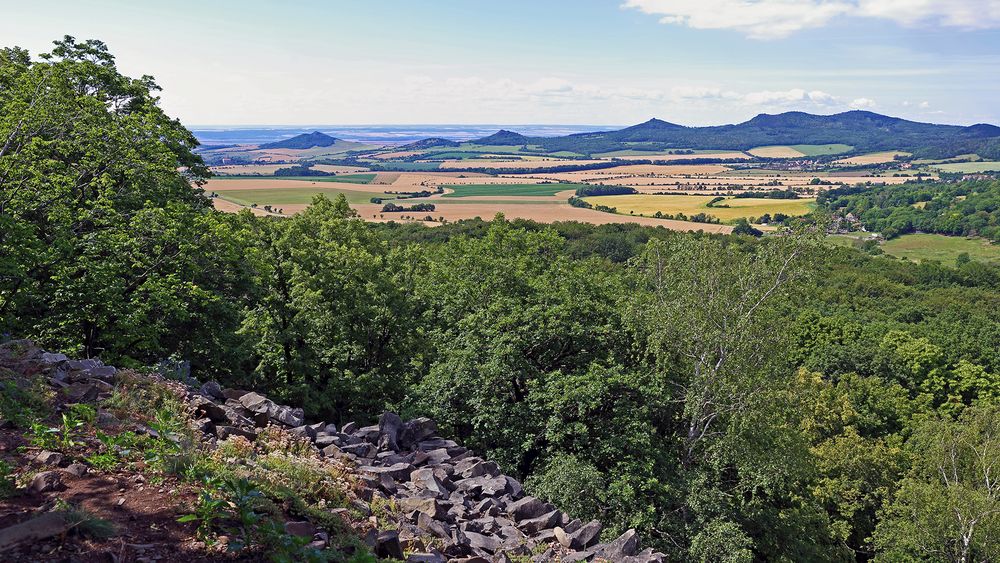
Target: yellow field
x,y
525,164
643,204
776,152
871,158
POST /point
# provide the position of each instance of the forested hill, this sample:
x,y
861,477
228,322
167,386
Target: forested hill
x,y
303,141
863,130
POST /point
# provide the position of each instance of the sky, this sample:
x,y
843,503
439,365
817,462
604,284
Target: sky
x,y
600,62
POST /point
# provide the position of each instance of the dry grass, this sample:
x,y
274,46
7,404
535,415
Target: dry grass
x,y
871,158
226,184
776,152
522,164
692,205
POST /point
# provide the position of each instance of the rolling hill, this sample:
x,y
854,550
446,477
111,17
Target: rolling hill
x,y
303,141
865,131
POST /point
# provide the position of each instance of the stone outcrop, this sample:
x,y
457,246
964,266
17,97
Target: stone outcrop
x,y
451,505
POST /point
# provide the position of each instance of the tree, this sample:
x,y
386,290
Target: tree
x,y
948,506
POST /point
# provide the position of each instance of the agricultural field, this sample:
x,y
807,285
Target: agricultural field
x,y
477,190
739,208
526,164
968,167
871,158
799,151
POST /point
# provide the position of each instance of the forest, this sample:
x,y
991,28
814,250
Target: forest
x,y
970,208
732,398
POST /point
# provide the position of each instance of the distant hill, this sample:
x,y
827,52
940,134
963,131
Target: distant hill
x,y
504,138
428,144
865,131
303,141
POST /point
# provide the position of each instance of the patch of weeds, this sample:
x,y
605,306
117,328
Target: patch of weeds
x,y
274,440
22,402
7,484
65,436
385,509
137,397
85,523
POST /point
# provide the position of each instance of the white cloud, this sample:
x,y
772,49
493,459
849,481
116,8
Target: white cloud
x,y
770,19
863,103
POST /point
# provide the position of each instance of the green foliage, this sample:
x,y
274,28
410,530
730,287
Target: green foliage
x,y
22,402
7,483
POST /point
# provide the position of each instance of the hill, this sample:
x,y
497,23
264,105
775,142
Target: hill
x,y
503,137
865,131
428,143
303,141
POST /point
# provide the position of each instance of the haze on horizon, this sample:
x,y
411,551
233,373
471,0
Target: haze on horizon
x,y
596,62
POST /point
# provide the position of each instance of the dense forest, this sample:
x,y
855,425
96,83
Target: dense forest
x,y
970,208
732,398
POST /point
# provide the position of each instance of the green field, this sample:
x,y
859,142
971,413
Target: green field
x,y
968,167
820,150
295,196
473,190
343,178
671,152
940,248
649,204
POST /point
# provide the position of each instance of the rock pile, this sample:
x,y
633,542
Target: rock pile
x,y
451,504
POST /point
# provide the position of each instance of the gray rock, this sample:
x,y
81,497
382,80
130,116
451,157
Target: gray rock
x,y
289,416
81,392
77,469
304,431
514,488
417,430
349,428
645,556
586,536
46,481
387,545
426,558
213,390
324,440
303,529
626,545
426,480
526,508
235,394
480,541
433,508
367,433
486,486
49,458
364,449
434,526
205,407
103,372
51,358
398,471
389,427
546,521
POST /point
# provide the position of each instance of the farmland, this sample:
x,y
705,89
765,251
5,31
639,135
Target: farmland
x,y
941,248
473,190
738,208
968,167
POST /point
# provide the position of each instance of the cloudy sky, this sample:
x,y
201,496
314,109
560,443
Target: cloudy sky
x,y
596,62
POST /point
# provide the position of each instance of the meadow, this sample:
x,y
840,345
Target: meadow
x,y
968,167
294,196
798,151
739,208
941,248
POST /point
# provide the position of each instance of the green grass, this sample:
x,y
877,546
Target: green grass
x,y
471,190
820,150
654,152
294,196
968,167
942,248
343,178
407,166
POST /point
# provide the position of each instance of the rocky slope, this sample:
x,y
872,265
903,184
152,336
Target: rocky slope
x,y
410,494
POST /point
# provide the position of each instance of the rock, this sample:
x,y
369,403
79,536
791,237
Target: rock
x,y
52,358
81,392
488,486
223,432
429,506
257,403
387,545
324,440
427,523
213,389
302,529
528,507
46,481
426,480
235,394
483,542
49,458
103,372
546,521
645,556
626,545
426,558
398,471
289,416
586,536
304,432
205,407
77,469
349,428
417,430
389,428
42,527
364,449
514,488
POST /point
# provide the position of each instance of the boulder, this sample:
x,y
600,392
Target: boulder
x,y
426,480
77,469
303,529
426,558
387,545
626,545
103,372
417,430
213,390
46,481
546,521
483,542
223,432
289,416
205,407
49,458
432,525
485,486
433,508
50,358
257,403
349,428
304,432
526,508
398,471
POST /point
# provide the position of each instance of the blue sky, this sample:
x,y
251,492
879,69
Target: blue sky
x,y
693,62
